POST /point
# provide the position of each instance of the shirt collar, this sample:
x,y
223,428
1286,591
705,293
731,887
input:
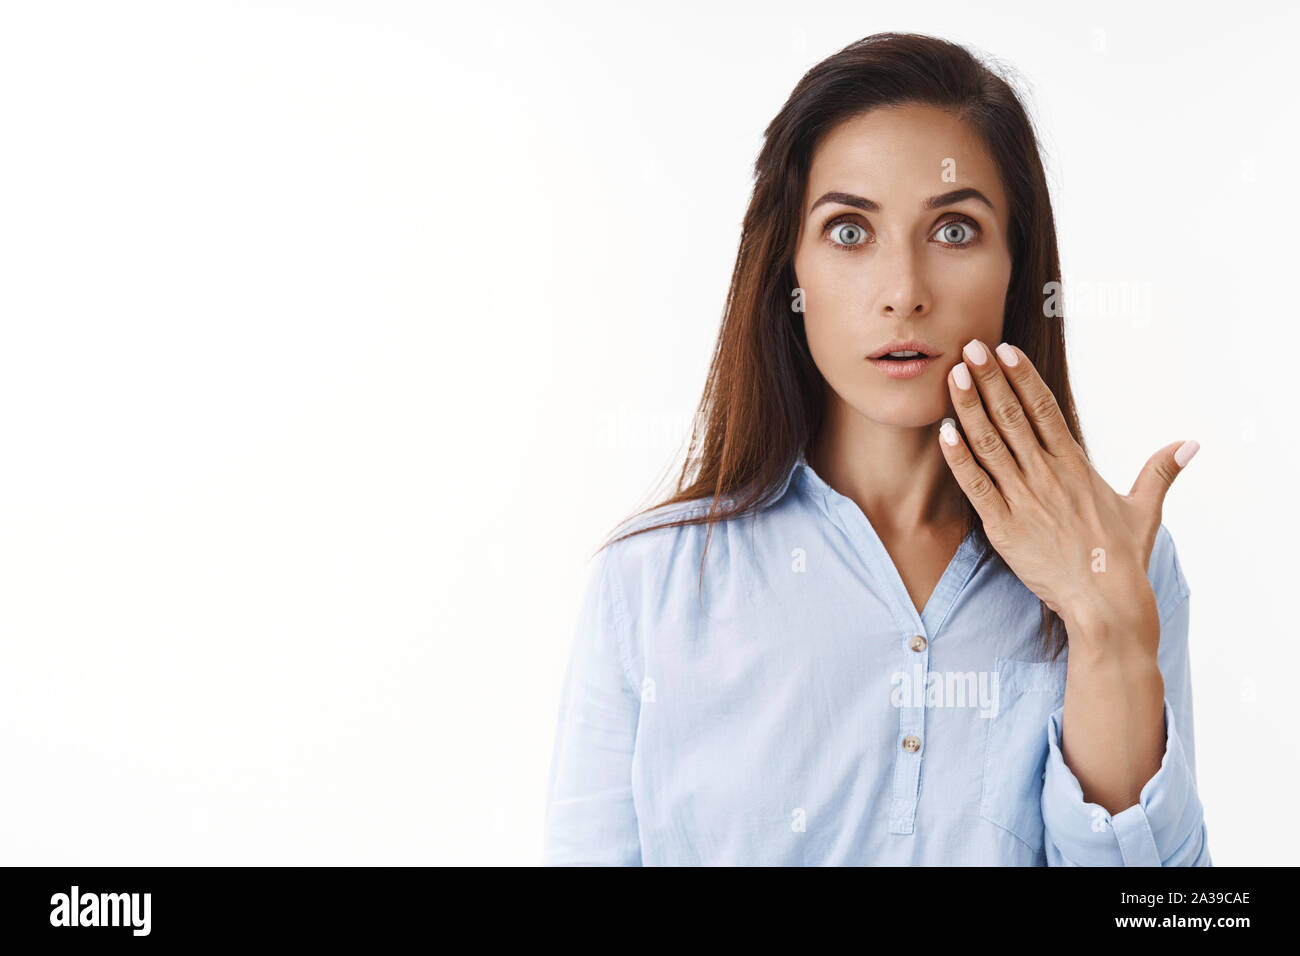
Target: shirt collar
x,y
799,468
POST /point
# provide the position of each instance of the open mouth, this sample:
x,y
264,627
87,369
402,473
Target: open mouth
x,y
904,363
904,350
902,356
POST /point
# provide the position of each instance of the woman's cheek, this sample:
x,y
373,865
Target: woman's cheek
x,y
832,348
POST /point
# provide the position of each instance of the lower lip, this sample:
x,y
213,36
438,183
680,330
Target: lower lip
x,y
900,369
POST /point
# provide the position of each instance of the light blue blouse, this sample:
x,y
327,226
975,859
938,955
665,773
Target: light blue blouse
x,y
800,712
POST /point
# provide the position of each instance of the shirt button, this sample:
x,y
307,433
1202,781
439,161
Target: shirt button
x,y
918,642
911,743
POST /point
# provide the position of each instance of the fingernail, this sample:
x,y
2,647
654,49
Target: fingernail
x,y
975,351
961,375
1185,452
1007,354
948,430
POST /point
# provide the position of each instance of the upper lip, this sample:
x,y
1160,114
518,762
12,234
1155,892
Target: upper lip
x,y
910,345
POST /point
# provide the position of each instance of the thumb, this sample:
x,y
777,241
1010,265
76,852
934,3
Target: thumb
x,y
1160,471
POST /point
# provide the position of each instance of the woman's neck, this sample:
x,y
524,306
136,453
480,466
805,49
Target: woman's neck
x,y
896,474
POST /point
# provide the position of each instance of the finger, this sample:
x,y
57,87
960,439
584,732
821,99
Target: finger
x,y
975,483
1158,474
981,436
1002,405
1037,400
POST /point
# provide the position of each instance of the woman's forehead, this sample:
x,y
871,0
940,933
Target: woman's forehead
x,y
900,157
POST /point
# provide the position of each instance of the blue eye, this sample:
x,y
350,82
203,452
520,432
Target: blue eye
x,y
850,232
952,232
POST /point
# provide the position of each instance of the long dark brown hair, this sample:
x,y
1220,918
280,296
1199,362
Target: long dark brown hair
x,y
763,398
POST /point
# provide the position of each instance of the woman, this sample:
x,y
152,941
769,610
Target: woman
x,y
841,640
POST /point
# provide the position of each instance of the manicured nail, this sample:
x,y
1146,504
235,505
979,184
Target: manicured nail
x,y
961,375
1185,452
948,430
1007,354
975,351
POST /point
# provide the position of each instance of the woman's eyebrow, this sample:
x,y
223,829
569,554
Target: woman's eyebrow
x,y
934,202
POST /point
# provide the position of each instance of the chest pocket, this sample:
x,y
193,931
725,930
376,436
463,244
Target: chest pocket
x,y
1015,750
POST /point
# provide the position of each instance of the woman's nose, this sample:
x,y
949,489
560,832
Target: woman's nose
x,y
901,282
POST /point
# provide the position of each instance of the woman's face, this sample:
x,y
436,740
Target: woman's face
x,y
907,270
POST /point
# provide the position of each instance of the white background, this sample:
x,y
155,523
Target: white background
x,y
337,335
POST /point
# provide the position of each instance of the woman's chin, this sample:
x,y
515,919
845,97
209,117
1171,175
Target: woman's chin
x,y
906,413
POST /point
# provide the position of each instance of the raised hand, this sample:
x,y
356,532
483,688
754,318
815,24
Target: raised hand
x,y
1074,541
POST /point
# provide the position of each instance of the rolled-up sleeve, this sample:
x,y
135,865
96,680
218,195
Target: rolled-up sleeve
x,y
1166,827
590,813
